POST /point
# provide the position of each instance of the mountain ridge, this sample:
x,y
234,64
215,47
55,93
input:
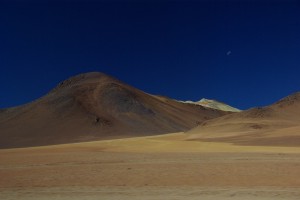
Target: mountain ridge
x,y
277,124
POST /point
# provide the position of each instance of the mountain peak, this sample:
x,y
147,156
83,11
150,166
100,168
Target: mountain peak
x,y
90,77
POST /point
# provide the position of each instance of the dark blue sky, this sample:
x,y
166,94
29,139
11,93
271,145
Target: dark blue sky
x,y
178,49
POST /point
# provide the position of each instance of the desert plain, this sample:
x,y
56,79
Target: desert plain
x,y
166,167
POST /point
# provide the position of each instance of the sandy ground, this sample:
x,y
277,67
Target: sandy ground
x,y
160,167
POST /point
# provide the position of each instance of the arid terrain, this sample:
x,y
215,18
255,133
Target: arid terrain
x,y
154,167
94,137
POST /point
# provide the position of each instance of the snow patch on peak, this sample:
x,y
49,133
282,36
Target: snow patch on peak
x,y
213,104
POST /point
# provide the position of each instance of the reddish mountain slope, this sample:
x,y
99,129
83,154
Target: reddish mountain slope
x,y
95,106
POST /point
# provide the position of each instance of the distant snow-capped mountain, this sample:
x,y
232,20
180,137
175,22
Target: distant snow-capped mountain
x,y
214,104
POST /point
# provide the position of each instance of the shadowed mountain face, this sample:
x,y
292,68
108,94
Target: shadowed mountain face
x,y
95,106
277,124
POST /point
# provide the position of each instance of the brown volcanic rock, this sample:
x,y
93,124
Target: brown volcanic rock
x,y
94,106
277,124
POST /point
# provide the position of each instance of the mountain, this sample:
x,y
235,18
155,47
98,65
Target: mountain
x,y
277,124
214,104
95,106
